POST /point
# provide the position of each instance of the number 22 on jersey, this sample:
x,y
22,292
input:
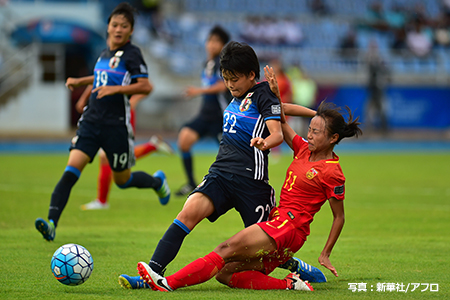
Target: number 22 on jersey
x,y
230,122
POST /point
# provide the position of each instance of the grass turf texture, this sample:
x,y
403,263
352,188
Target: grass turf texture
x,y
396,230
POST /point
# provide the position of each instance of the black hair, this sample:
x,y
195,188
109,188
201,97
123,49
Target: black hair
x,y
335,122
126,10
221,33
239,58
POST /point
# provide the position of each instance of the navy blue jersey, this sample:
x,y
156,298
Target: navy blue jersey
x,y
119,67
245,118
213,104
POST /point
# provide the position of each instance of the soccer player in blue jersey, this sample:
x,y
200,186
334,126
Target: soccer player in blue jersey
x,y
239,176
120,71
215,97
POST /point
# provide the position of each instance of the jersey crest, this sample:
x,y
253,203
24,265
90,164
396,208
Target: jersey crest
x,y
245,104
114,62
311,173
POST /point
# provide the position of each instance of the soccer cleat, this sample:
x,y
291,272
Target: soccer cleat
x,y
295,283
153,279
132,282
185,190
163,191
307,272
47,229
161,145
94,205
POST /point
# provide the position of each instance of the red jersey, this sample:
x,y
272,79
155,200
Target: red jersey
x,y
308,185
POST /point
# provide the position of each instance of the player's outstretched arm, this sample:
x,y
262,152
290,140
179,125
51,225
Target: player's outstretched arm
x,y
298,110
337,207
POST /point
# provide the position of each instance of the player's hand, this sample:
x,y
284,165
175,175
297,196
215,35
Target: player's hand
x,y
259,143
72,83
192,91
105,90
324,260
269,73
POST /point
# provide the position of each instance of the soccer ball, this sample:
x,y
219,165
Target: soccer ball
x,y
72,264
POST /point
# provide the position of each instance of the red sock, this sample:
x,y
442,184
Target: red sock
x,y
198,271
144,149
255,280
104,183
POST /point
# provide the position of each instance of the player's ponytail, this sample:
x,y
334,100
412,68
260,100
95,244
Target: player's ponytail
x,y
352,126
335,122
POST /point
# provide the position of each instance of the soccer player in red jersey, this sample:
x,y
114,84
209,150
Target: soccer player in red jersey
x,y
246,259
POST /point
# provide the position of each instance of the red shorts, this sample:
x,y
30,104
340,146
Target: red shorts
x,y
289,240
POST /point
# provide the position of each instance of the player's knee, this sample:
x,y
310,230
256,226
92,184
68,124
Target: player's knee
x,y
184,145
224,250
122,181
224,276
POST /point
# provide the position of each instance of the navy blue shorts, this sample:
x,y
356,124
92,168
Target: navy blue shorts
x,y
206,128
116,140
253,199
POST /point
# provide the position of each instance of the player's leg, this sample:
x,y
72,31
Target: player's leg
x,y
211,194
77,161
250,275
197,207
104,180
186,139
118,143
126,179
247,244
156,143
254,274
254,197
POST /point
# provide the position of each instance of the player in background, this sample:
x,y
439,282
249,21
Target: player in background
x,y
246,259
105,173
215,97
105,123
239,177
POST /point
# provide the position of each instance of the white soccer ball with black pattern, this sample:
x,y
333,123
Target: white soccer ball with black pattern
x,y
72,264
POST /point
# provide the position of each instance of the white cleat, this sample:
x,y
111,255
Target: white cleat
x,y
94,205
295,283
153,279
161,145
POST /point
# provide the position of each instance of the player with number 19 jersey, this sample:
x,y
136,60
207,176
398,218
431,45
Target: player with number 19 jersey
x,y
245,118
119,67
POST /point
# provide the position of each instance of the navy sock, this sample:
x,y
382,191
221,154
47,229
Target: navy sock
x,y
187,163
141,179
168,246
290,265
61,193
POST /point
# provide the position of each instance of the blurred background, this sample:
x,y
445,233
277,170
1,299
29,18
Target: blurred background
x,y
389,60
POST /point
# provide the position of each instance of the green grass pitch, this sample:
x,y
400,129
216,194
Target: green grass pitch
x,y
396,231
